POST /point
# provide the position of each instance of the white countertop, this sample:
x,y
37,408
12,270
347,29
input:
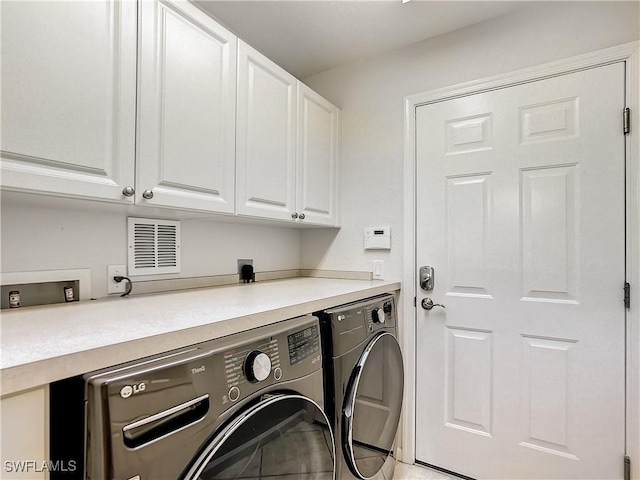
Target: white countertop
x,y
48,343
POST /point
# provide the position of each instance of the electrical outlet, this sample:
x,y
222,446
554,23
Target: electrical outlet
x,y
244,261
378,269
241,263
116,271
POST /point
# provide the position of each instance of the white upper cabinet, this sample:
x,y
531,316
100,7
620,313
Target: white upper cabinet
x,y
266,137
135,103
187,94
287,145
317,158
68,97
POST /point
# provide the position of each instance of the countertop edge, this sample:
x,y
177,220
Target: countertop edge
x,y
35,374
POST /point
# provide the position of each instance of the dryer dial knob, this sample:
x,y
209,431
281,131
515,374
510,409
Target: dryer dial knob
x,y
378,316
257,366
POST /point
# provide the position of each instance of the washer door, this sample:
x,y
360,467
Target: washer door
x,y
372,406
284,434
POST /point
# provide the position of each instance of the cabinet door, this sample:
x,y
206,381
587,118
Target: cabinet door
x,y
24,442
317,158
68,97
186,124
266,126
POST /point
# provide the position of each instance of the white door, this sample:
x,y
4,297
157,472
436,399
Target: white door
x,y
187,98
520,210
69,97
266,137
317,158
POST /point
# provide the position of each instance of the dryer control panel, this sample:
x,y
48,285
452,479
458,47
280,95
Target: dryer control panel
x,y
381,314
350,325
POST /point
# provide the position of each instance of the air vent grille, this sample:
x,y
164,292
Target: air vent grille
x,y
154,246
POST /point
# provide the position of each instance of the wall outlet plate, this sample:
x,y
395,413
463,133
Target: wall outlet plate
x,y
116,271
242,262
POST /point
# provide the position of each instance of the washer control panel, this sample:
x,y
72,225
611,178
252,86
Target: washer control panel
x,y
252,363
287,355
303,344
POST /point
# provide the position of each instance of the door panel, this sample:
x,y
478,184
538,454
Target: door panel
x,y
468,368
520,208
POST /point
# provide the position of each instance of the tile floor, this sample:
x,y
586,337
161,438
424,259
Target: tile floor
x,y
404,471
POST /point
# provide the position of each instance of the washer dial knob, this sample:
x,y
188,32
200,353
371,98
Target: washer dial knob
x,y
257,366
378,316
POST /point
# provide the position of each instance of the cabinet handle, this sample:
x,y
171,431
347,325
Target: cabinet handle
x,y
301,216
148,194
294,215
128,191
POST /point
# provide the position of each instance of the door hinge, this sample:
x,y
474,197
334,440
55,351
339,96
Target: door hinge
x,y
627,467
627,295
626,120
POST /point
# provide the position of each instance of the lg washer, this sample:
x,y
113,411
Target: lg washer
x,y
246,406
363,385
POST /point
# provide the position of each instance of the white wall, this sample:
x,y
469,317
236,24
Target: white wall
x,y
40,238
371,93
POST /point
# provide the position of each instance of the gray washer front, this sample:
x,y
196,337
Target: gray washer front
x,y
245,406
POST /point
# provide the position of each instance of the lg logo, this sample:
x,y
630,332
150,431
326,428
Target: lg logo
x,y
129,390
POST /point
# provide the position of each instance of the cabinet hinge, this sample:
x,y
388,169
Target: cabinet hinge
x,y
627,467
626,120
415,302
627,295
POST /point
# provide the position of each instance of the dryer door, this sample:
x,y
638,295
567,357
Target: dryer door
x,y
371,410
278,436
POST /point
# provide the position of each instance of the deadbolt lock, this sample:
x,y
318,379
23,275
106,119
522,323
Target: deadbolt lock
x,y
426,278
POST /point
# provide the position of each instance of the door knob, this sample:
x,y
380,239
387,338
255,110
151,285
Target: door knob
x,y
147,194
428,304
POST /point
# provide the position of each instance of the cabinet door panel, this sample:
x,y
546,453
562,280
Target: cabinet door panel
x,y
187,109
25,435
68,97
266,137
318,123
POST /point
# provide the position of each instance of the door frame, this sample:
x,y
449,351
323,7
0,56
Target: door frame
x,y
628,53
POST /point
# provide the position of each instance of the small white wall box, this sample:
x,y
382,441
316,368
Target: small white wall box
x,y
377,238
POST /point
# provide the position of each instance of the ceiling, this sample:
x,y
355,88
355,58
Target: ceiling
x,y
307,36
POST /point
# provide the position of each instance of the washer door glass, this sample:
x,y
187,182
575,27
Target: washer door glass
x,y
281,435
372,406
